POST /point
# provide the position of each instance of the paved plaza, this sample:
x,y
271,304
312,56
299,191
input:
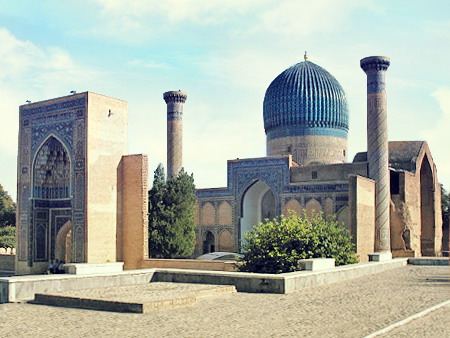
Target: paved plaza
x,y
354,308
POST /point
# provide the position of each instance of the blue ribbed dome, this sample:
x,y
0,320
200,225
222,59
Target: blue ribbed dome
x,y
305,100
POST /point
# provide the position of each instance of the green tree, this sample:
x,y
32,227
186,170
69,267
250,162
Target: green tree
x,y
445,202
7,209
276,246
7,236
171,215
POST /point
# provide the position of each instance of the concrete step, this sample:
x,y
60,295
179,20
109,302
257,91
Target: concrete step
x,y
142,298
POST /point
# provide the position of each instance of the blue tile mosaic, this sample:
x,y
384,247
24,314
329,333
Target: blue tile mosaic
x,y
305,100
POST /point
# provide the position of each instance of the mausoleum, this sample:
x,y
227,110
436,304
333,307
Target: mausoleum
x,y
389,200
82,199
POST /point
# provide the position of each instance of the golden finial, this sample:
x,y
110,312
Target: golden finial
x,y
305,56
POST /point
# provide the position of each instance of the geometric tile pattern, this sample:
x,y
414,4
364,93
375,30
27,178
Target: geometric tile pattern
x,y
275,172
56,129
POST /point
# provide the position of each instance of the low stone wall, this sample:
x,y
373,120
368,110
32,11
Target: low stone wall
x,y
23,288
191,264
7,262
272,283
20,288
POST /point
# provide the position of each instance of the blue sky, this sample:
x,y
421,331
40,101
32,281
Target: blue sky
x,y
224,54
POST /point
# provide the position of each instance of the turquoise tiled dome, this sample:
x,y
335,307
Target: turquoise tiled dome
x,y
305,100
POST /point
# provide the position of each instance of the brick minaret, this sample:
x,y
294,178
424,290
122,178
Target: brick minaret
x,y
377,146
175,101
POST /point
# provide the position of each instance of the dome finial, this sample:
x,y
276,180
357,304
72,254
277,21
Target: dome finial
x,y
305,56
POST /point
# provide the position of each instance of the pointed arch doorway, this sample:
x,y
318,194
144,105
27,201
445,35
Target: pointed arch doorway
x,y
258,204
209,243
51,202
63,243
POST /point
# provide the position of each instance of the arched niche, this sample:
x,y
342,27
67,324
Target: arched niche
x,y
225,241
51,171
312,206
293,205
258,203
225,214
328,206
343,217
208,214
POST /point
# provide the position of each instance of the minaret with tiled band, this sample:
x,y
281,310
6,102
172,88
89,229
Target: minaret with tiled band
x,y
377,146
175,101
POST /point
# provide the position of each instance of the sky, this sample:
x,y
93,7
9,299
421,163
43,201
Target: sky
x,y
224,54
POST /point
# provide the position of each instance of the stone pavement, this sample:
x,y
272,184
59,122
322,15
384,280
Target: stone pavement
x,y
431,325
354,308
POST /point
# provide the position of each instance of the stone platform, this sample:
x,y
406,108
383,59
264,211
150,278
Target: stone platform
x,y
277,283
24,288
142,298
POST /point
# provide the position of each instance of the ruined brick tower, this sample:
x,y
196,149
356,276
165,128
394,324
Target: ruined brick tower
x,y
377,146
175,101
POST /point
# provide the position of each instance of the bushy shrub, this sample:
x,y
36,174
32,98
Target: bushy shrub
x,y
276,246
7,209
7,236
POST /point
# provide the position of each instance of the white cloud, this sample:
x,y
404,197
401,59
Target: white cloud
x,y
16,56
304,17
29,72
199,11
246,67
439,137
139,20
29,69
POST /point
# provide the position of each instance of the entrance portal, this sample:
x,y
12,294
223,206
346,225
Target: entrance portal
x,y
258,204
51,202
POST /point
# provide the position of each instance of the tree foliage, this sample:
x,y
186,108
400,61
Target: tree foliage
x,y
445,201
276,246
7,236
7,209
171,215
